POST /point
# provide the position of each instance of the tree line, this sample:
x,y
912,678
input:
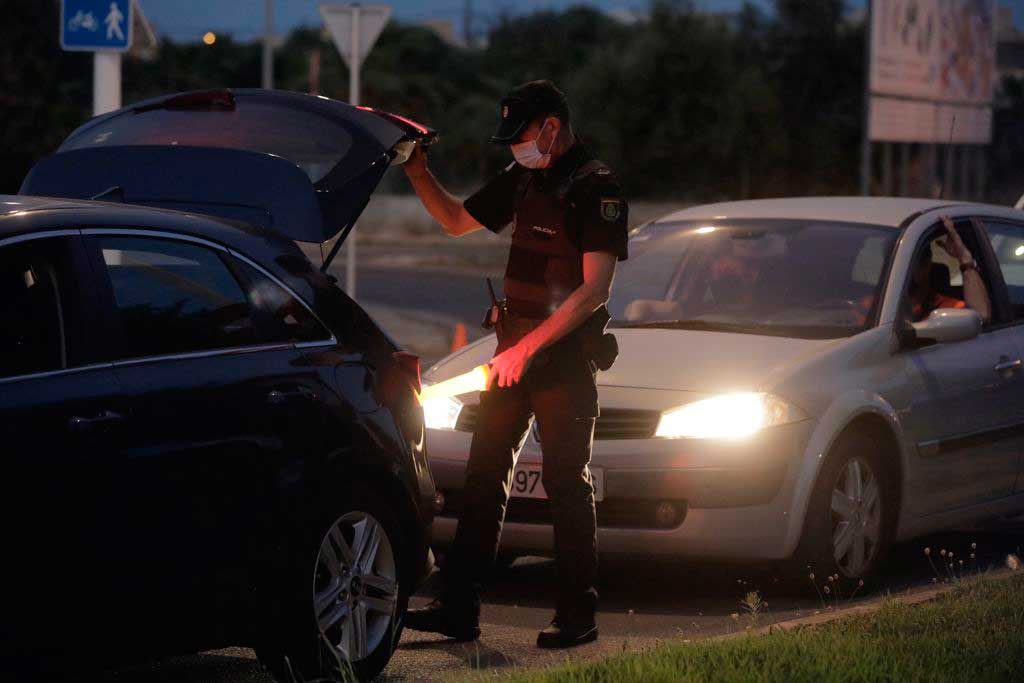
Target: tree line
x,y
682,104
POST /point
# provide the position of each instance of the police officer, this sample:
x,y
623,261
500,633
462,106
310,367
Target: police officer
x,y
569,227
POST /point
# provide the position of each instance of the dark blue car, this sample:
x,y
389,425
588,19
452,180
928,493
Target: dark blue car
x,y
205,441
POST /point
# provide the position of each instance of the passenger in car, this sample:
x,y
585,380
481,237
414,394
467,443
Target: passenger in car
x,y
925,294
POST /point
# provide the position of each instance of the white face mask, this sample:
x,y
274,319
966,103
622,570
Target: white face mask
x,y
528,154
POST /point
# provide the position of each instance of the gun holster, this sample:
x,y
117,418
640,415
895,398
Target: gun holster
x,y
599,347
605,352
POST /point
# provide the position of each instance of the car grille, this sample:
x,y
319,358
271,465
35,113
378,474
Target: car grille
x,y
611,514
614,423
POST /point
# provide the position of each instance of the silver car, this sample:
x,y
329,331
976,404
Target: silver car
x,y
775,398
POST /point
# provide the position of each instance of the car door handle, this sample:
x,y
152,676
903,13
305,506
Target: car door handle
x,y
277,397
1008,366
84,424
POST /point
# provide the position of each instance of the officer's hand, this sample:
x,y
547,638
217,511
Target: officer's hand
x,y
509,366
416,165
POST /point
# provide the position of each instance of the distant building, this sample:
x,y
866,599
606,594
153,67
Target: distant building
x,y
1009,45
445,28
1006,26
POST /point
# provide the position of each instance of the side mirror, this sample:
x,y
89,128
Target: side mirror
x,y
946,325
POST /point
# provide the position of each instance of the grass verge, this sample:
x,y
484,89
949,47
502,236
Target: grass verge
x,y
973,633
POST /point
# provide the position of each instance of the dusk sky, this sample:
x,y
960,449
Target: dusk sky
x,y
189,19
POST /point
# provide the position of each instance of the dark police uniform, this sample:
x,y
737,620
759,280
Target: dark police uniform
x,y
557,214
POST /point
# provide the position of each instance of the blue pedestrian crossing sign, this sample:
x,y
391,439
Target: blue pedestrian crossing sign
x,y
96,24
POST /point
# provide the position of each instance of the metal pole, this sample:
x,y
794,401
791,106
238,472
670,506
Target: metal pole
x,y
982,172
965,172
931,158
106,81
865,150
268,46
948,188
904,169
887,168
353,99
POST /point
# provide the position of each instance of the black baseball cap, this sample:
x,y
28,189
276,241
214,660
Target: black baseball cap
x,y
523,104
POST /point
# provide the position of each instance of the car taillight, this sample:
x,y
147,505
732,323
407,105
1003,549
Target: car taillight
x,y
398,385
410,364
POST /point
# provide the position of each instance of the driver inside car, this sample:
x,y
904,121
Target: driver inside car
x,y
925,288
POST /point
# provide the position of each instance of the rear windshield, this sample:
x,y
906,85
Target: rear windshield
x,y
808,279
312,141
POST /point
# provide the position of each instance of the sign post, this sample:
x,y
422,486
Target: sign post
x,y
103,27
355,29
931,68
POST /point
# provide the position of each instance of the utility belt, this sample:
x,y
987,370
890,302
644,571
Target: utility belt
x,y
589,339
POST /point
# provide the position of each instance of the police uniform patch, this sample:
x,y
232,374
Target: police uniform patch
x,y
611,208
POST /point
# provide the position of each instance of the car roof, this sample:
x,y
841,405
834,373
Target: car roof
x,y
884,211
24,214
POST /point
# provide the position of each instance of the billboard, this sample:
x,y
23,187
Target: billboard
x,y
931,61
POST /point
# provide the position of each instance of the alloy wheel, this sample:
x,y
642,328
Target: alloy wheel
x,y
355,590
856,507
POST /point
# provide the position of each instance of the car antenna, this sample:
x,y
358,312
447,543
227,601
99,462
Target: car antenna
x,y
942,185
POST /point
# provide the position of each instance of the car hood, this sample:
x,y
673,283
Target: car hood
x,y
301,165
673,360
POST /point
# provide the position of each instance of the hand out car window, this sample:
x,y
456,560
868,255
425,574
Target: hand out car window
x,y
174,297
1008,245
935,279
33,336
287,319
811,279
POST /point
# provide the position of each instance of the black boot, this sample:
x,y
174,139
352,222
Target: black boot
x,y
567,634
461,623
574,622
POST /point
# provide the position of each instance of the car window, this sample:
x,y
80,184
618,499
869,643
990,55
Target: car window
x,y
33,333
174,297
287,319
935,280
1008,244
799,278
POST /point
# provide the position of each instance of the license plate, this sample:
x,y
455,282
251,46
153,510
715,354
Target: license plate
x,y
526,482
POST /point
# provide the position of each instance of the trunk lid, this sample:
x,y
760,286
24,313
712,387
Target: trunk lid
x,y
302,165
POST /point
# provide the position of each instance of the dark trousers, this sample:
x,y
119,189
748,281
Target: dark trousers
x,y
562,396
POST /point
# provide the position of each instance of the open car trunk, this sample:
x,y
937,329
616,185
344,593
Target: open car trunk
x,y
302,165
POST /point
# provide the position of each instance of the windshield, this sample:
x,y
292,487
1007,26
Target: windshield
x,y
809,279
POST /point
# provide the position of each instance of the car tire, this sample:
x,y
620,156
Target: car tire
x,y
850,513
317,634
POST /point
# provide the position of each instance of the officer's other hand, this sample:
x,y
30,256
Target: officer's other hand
x,y
509,366
416,165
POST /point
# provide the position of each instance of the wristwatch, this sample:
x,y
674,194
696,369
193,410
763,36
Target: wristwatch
x,y
970,265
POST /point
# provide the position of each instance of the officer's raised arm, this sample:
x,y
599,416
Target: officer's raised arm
x,y
446,208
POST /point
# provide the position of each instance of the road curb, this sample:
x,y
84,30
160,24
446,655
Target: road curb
x,y
910,597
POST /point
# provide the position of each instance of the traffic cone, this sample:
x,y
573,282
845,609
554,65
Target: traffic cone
x,y
459,338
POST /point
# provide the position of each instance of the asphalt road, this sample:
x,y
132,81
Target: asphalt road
x,y
451,293
642,604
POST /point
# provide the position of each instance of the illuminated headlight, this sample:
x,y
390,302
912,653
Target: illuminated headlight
x,y
730,416
441,412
